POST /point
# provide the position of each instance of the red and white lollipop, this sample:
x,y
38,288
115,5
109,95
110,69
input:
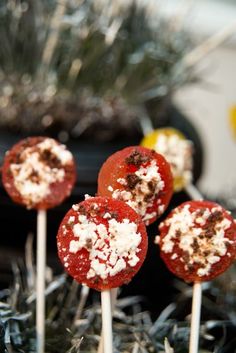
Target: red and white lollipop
x,y
198,243
198,240
139,176
102,243
39,173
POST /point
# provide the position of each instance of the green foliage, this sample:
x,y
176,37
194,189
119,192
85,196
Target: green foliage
x,y
118,51
74,50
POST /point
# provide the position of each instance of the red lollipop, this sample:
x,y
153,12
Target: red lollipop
x,y
139,176
38,172
198,240
102,243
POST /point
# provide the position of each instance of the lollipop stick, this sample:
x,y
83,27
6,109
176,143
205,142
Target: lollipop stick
x,y
113,294
106,320
40,284
193,192
195,317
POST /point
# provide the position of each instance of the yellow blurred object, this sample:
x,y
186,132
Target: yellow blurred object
x,y
177,150
232,121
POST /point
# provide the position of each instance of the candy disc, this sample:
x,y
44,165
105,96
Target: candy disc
x,y
102,242
38,172
177,150
198,240
139,176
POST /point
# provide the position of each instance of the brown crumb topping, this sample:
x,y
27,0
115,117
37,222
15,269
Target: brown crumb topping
x,y
82,210
132,180
50,159
137,159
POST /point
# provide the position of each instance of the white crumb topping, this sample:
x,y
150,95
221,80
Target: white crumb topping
x,y
142,196
110,247
71,219
75,207
200,236
174,256
59,150
122,181
178,152
161,209
107,215
33,175
87,196
110,188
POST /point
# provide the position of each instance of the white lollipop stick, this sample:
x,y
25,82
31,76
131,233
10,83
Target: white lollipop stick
x,y
40,282
106,320
195,317
113,295
193,192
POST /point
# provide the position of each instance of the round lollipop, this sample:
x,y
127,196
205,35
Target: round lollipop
x,y
197,243
39,173
140,177
102,243
177,150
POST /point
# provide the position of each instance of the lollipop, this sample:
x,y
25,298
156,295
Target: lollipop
x,y
197,243
177,150
39,173
102,243
140,177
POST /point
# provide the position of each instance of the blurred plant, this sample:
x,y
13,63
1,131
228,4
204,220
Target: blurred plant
x,y
67,65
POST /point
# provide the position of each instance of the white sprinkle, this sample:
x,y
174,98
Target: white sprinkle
x,y
174,256
87,196
74,246
122,181
116,244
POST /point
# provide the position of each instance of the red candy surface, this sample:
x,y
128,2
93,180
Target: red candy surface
x,y
38,172
198,240
102,242
139,176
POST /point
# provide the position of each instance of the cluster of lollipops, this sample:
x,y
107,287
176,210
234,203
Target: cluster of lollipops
x,y
102,241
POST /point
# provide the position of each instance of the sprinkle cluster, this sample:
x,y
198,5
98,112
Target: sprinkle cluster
x,y
198,238
111,244
38,167
141,189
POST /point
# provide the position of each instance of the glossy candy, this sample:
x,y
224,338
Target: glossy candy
x,y
198,240
102,242
139,176
38,172
177,150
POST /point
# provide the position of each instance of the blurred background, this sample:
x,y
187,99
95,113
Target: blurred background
x,y
96,75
